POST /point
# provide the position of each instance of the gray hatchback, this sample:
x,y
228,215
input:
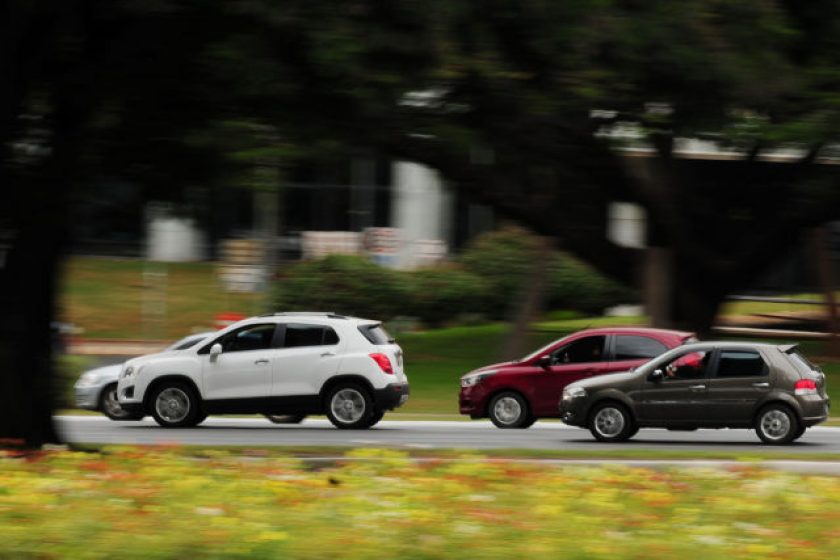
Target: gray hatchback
x,y
773,389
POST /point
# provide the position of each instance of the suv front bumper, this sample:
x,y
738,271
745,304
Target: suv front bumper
x,y
392,396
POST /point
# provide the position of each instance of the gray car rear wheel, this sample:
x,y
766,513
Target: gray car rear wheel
x,y
777,424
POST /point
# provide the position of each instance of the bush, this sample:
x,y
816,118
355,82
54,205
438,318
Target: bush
x,y
345,284
447,292
505,259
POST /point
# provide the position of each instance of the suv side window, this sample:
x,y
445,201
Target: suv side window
x,y
298,335
635,347
691,365
740,363
588,349
252,337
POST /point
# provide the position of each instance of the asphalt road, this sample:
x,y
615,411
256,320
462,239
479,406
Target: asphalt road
x,y
427,435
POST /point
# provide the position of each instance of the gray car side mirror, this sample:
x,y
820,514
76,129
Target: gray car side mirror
x,y
215,350
657,376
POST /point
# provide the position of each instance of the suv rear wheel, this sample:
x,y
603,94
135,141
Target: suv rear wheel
x,y
611,422
174,405
776,424
510,410
350,406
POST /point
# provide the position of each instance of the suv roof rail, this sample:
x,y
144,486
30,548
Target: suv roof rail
x,y
330,314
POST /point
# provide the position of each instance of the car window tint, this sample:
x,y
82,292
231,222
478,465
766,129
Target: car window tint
x,y
298,335
588,349
740,363
376,334
254,337
632,347
330,337
691,365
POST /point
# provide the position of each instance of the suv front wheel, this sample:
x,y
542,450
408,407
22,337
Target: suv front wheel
x,y
175,405
350,406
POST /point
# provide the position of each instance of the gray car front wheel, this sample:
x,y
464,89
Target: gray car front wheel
x,y
611,422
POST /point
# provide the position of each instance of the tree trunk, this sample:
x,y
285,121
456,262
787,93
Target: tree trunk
x,y
530,302
27,303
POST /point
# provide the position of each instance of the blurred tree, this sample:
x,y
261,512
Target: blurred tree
x,y
550,110
522,105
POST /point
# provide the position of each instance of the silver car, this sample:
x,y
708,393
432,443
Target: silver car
x,y
96,389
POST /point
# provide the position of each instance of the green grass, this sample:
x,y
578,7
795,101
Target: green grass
x,y
111,298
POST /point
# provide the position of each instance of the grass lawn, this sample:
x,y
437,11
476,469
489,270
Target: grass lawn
x,y
159,503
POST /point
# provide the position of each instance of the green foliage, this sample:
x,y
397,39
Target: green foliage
x,y
344,284
448,292
506,258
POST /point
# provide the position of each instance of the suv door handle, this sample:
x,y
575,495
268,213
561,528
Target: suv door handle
x,y
326,354
261,361
697,387
763,385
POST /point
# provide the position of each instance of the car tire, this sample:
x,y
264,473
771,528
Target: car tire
x,y
611,422
777,424
285,418
175,405
349,406
510,410
110,406
201,418
375,418
800,432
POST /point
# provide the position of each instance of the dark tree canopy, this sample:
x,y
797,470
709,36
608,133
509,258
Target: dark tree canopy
x,y
524,105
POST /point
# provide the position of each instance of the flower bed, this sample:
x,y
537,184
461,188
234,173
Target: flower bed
x,y
163,503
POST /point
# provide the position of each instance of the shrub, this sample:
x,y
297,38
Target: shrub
x,y
446,292
505,259
345,284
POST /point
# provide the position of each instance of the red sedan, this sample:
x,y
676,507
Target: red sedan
x,y
515,394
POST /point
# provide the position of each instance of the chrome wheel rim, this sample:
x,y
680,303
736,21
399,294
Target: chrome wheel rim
x,y
775,424
348,406
172,404
609,422
507,410
112,405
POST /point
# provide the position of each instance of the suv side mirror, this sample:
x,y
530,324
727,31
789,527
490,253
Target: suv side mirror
x,y
657,376
544,361
215,350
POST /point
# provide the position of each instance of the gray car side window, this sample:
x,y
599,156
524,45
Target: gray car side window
x,y
690,365
740,363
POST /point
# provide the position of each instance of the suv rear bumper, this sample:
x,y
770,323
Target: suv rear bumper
x,y
392,396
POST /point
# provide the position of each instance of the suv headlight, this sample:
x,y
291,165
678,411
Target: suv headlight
x,y
127,372
573,393
475,378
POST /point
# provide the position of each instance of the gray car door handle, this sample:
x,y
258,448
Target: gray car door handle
x,y
326,354
697,387
761,385
261,361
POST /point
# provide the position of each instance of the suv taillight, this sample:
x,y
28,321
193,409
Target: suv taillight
x,y
805,387
384,362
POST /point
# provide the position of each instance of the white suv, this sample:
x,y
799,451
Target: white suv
x,y
284,363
